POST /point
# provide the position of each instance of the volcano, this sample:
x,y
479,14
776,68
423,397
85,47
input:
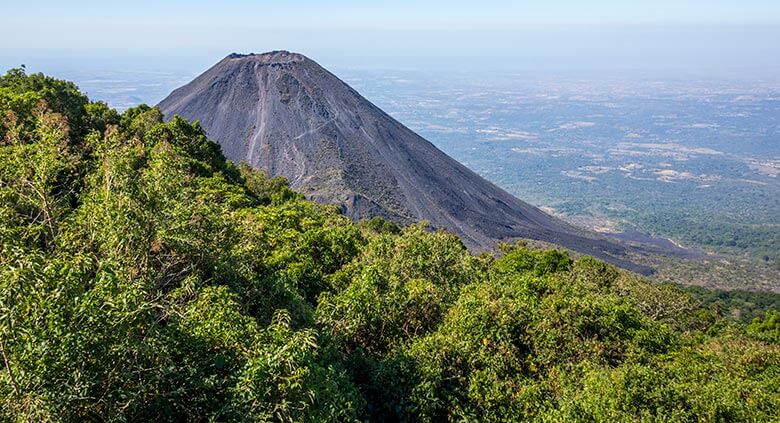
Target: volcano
x,y
285,114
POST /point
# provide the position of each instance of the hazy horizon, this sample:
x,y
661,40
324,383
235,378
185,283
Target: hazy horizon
x,y
718,39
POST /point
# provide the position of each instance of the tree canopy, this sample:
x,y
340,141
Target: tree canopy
x,y
145,277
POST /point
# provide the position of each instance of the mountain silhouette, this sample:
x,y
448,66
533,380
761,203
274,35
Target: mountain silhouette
x,y
285,114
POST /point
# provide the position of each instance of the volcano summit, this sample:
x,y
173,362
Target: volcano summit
x,y
285,114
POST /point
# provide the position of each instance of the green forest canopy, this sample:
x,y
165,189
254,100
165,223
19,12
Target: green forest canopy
x,y
145,277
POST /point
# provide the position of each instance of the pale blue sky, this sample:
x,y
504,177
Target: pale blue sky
x,y
703,34
52,16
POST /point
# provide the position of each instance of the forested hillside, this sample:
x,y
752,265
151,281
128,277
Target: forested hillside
x,y
145,278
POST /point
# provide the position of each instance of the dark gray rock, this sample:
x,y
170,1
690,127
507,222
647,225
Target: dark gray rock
x,y
284,113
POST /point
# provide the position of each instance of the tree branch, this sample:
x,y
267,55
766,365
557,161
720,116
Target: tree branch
x,y
8,367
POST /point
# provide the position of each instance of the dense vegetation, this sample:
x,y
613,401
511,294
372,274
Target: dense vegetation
x,y
745,306
144,277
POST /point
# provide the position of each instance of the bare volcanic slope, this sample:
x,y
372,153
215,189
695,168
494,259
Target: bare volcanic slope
x,y
284,113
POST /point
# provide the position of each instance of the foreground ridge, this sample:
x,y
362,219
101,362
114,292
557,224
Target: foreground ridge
x,y
144,277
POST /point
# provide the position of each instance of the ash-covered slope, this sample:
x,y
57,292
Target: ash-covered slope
x,y
284,113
